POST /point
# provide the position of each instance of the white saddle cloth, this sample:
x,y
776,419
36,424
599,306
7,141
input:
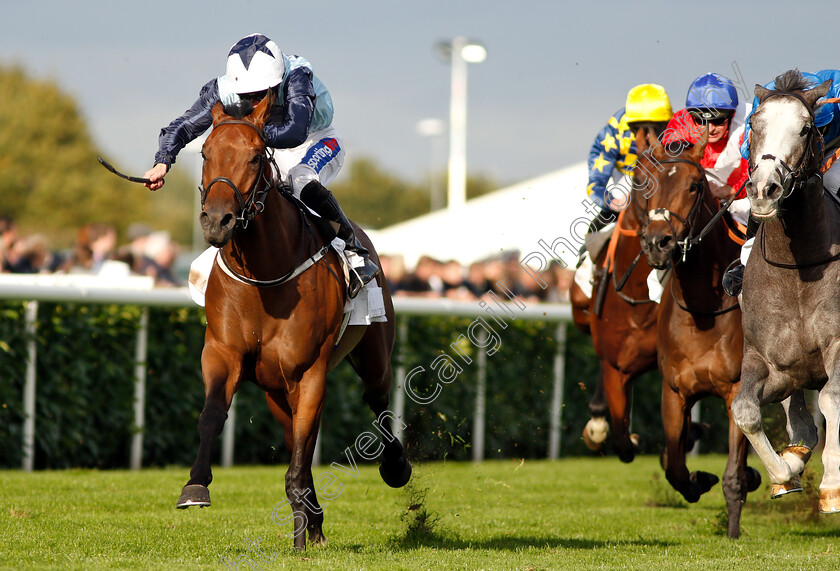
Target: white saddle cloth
x,y
366,308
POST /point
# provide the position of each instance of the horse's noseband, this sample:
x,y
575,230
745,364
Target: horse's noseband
x,y
255,203
796,177
665,215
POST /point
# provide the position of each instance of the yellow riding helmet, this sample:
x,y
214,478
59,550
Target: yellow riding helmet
x,y
647,102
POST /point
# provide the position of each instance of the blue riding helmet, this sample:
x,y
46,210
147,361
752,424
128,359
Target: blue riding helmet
x,y
711,96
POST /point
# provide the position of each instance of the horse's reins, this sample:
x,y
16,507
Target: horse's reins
x,y
253,205
665,215
795,177
790,182
690,240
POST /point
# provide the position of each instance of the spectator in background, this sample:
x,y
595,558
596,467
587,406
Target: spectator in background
x,y
8,237
33,256
454,285
95,252
161,251
425,280
393,268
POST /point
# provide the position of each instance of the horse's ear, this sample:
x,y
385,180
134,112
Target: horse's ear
x,y
696,151
642,140
761,92
821,90
218,113
263,109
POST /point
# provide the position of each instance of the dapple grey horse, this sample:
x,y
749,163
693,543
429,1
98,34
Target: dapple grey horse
x,y
791,294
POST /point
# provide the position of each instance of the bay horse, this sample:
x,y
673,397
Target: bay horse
x,y
623,330
790,294
274,316
699,337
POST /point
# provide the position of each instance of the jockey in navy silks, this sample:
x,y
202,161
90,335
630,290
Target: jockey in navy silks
x,y
300,126
827,120
612,157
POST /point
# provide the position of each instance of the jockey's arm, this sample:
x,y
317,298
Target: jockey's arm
x,y
188,127
288,125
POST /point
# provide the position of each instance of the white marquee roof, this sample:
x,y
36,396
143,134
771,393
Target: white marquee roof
x,y
513,219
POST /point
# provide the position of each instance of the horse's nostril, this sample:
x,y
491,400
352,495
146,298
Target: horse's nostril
x,y
227,221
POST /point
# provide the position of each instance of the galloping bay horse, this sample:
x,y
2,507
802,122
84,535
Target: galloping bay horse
x,y
791,299
623,330
274,316
700,343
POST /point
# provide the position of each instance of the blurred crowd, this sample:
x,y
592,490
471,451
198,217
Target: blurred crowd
x,y
152,253
95,252
452,280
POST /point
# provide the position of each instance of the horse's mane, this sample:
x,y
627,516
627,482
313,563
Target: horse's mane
x,y
792,80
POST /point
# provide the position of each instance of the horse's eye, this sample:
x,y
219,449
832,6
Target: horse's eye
x,y
203,156
805,129
255,159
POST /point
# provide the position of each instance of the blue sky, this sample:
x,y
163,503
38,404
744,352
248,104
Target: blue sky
x,y
555,71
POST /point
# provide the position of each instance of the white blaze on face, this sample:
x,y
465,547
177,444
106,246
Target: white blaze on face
x,y
781,122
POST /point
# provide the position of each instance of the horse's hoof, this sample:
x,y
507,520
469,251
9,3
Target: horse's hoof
x,y
703,480
193,495
830,501
791,486
753,479
595,433
317,539
396,473
793,455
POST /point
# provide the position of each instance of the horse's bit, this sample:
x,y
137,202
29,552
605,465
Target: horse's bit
x,y
795,177
255,203
665,215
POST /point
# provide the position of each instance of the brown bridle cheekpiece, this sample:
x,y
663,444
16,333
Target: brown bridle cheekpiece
x,y
254,204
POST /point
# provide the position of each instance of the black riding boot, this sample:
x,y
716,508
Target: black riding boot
x,y
322,201
733,278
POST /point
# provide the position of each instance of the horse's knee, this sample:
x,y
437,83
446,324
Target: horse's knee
x,y
746,414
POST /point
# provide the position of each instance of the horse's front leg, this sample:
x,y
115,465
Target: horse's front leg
x,y
306,408
676,422
746,410
597,428
738,478
829,402
220,383
618,390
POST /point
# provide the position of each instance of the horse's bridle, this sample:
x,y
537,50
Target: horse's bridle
x,y
665,215
800,175
255,203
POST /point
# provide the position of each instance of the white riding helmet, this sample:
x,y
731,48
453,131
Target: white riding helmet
x,y
254,63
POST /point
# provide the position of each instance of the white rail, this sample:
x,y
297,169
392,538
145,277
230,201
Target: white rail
x,y
138,291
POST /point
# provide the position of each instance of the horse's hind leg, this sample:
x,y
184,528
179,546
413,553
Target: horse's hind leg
x,y
675,420
618,389
218,393
597,428
371,359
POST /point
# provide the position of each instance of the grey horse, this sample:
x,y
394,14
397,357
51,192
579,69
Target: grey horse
x,y
791,294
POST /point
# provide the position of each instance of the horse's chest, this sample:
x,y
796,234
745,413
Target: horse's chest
x,y
796,344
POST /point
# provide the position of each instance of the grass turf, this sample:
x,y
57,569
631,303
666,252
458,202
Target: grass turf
x,y
583,513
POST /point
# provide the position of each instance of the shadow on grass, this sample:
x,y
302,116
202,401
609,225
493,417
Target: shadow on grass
x,y
513,543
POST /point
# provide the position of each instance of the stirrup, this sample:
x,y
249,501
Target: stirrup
x,y
360,277
733,279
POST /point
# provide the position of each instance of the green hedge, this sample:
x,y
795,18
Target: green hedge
x,y
85,392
